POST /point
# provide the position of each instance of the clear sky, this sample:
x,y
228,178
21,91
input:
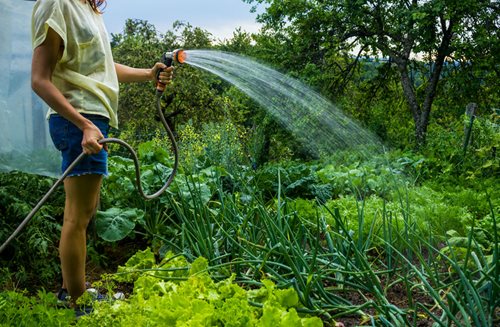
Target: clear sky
x,y
219,17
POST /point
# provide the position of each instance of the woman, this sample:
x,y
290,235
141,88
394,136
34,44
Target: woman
x,y
74,73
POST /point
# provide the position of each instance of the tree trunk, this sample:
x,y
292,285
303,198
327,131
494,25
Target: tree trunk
x,y
421,133
412,101
421,112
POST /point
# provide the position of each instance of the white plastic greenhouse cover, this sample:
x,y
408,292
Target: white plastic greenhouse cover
x,y
25,143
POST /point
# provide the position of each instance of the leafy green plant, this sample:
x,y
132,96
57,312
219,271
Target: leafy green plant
x,y
18,309
32,257
115,224
123,207
174,292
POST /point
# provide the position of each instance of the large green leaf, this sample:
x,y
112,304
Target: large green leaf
x,y
115,224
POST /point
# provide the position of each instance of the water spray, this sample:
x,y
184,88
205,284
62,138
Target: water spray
x,y
169,58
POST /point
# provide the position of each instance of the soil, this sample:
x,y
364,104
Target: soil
x,y
397,296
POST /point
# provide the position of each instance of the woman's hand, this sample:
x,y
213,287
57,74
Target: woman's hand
x,y
91,136
166,74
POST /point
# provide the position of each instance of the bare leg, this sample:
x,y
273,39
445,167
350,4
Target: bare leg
x,y
82,193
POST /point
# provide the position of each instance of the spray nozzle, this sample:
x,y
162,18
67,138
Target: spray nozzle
x,y
177,56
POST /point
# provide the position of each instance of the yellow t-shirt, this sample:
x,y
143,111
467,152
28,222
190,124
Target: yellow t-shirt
x,y
85,74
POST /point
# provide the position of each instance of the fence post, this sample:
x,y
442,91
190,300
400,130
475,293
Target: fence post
x,y
470,111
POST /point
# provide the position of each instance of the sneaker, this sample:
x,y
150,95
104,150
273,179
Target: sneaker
x,y
96,296
63,298
83,311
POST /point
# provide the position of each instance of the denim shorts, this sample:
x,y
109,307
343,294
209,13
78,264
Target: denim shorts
x,y
67,138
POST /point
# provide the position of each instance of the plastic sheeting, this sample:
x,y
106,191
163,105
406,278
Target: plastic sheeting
x,y
25,143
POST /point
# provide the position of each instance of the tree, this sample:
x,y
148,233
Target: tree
x,y
241,42
137,46
407,32
192,37
195,98
141,45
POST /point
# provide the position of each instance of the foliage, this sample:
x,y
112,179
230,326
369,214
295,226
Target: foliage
x,y
158,299
342,174
123,208
115,224
138,46
195,97
241,42
377,85
275,237
216,144
19,193
374,97
17,309
332,230
447,154
284,237
401,32
197,299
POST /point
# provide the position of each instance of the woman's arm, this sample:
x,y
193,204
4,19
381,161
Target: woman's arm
x,y
128,74
45,58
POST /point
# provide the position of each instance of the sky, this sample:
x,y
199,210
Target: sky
x,y
219,17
